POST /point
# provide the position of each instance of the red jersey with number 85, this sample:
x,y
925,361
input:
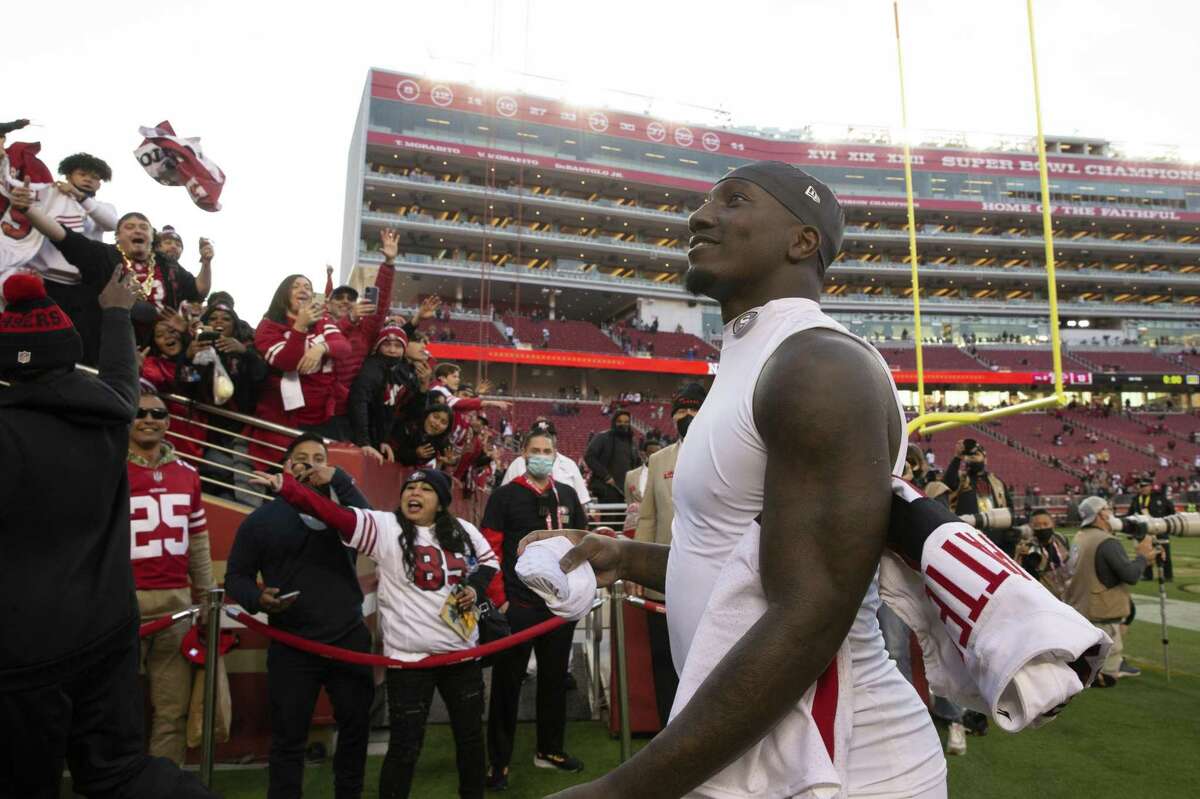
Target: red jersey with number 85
x,y
165,510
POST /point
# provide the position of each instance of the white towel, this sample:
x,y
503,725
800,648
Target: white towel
x,y
792,760
993,638
566,595
290,390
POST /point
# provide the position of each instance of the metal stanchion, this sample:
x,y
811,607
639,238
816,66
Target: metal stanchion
x,y
618,611
597,617
216,599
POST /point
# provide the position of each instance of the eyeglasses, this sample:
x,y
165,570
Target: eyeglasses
x,y
153,413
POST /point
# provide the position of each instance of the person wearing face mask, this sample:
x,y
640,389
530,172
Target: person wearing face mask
x,y
309,588
385,388
533,501
609,456
1046,556
654,525
1101,574
973,488
565,469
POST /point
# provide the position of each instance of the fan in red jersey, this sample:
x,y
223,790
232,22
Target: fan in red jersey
x,y
168,545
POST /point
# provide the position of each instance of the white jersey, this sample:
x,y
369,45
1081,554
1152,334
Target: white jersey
x,y
410,609
718,494
22,246
565,471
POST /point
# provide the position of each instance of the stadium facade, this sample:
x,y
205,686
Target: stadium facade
x,y
511,204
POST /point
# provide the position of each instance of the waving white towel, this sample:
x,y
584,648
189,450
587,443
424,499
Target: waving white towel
x,y
567,595
993,638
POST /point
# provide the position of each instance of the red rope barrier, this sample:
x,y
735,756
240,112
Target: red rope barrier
x,y
152,627
649,604
362,658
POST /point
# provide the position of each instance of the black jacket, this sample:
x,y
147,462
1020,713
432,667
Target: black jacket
x,y
1156,505
293,556
609,455
513,511
66,586
96,261
248,371
372,419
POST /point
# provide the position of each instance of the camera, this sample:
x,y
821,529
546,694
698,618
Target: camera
x,y
1138,527
998,520
208,336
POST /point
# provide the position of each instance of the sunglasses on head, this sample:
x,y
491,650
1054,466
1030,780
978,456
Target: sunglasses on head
x,y
153,413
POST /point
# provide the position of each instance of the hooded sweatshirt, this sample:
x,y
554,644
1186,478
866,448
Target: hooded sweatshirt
x,y
66,585
612,455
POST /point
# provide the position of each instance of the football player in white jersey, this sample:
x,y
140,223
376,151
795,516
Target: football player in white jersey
x,y
792,454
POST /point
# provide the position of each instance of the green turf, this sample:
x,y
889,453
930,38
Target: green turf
x,y
436,776
1136,740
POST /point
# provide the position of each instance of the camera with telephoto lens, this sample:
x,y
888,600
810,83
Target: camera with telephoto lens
x,y
1004,527
999,520
1138,527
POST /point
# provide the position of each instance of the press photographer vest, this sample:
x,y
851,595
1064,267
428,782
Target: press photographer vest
x,y
1085,592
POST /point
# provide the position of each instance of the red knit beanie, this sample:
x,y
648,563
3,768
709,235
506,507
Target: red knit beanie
x,y
34,332
390,330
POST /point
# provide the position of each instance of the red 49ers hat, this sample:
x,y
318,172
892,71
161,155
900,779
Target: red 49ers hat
x,y
34,332
196,650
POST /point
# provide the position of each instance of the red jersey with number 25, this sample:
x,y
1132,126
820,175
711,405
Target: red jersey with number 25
x,y
165,510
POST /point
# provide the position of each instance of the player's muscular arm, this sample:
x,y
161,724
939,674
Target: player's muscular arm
x,y
822,406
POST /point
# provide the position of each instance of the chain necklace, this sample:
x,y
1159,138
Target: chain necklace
x,y
145,285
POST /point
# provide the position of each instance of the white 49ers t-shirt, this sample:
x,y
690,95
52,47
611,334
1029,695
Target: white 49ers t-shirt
x,y
410,609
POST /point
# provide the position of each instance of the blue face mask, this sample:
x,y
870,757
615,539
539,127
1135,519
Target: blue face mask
x,y
539,466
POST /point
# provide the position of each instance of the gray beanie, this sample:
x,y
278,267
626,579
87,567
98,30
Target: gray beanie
x,y
1090,508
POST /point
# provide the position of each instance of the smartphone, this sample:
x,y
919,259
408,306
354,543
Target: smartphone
x,y
208,336
288,595
371,294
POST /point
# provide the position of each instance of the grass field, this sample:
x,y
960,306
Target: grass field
x,y
1139,739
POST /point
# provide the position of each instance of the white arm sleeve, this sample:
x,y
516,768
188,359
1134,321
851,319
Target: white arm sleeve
x,y
103,215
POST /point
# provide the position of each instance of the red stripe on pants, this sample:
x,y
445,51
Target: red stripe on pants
x,y
824,706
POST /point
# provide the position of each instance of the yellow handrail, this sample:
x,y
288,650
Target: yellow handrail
x,y
933,422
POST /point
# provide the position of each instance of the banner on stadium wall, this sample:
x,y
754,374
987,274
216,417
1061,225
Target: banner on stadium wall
x,y
461,97
585,170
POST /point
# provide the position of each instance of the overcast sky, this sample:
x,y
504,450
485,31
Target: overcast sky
x,y
272,88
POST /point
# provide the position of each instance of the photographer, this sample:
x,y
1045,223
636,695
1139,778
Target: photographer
x,y
1046,554
1101,576
973,489
1154,504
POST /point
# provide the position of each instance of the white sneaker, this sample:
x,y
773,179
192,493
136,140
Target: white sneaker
x,y
956,741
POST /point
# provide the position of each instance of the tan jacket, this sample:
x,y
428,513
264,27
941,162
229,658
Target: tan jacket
x,y
658,508
1085,592
633,496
